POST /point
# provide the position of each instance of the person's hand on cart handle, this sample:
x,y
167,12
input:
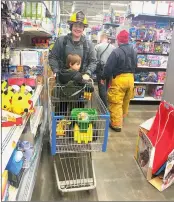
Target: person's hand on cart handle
x,y
86,77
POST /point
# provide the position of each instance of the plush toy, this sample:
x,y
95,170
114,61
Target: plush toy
x,y
21,105
61,127
26,90
3,85
5,102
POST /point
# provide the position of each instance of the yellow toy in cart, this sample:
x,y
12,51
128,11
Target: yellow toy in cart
x,y
61,127
83,128
5,102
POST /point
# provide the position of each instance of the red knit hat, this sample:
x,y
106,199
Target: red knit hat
x,y
123,37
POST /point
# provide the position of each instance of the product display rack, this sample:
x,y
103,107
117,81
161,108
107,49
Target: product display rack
x,y
144,68
37,123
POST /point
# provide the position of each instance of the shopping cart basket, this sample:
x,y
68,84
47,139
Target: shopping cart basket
x,y
78,125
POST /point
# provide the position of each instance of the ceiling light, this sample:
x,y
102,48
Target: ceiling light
x,y
118,4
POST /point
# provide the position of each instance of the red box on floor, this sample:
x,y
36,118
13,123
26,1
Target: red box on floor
x,y
144,155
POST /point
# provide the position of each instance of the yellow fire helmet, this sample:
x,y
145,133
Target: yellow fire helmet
x,y
78,17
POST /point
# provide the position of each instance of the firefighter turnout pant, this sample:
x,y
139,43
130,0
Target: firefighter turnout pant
x,y
119,95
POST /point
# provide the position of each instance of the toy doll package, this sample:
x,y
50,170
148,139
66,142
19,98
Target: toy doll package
x,y
142,60
153,61
139,91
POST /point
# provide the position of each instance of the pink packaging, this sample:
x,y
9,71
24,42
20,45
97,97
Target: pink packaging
x,y
161,77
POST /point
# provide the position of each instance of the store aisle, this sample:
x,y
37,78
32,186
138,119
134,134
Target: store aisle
x,y
118,176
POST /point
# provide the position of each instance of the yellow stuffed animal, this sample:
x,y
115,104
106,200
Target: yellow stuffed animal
x,y
5,101
21,104
3,86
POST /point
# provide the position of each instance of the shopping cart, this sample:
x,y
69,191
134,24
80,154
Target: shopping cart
x,y
78,125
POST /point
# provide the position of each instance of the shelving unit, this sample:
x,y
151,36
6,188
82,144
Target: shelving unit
x,y
34,125
140,17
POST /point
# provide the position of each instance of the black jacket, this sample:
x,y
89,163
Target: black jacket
x,y
122,60
59,52
66,75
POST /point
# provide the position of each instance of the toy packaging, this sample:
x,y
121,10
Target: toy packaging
x,y
139,91
152,77
142,61
153,61
140,47
165,48
156,92
161,77
15,58
150,34
158,48
163,61
132,33
141,34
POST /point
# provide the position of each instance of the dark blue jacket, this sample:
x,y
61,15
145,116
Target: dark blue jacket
x,y
122,60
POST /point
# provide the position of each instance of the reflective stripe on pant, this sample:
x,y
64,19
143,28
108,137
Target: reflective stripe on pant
x,y
119,95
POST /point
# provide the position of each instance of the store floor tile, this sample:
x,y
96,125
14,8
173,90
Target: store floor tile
x,y
118,176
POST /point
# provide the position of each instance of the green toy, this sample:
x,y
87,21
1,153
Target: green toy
x,y
83,129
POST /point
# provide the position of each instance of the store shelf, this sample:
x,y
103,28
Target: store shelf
x,y
35,31
131,15
37,94
35,119
149,83
111,24
26,186
153,54
146,67
27,183
11,135
147,98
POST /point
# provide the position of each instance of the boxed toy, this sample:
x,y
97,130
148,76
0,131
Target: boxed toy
x,y
150,154
165,48
158,48
140,47
15,58
163,61
30,58
161,77
153,61
139,91
142,61
156,92
141,34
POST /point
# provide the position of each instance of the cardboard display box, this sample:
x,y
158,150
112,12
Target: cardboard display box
x,y
144,155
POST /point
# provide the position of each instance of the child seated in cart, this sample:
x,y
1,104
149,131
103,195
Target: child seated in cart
x,y
72,79
71,72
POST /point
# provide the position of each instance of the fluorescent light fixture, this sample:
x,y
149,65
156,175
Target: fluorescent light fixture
x,y
118,4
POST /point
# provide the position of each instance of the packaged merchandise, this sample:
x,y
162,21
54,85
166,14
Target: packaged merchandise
x,y
140,47
165,48
15,57
161,77
4,183
132,33
34,10
150,35
153,61
142,61
158,48
30,58
141,34
156,92
143,76
139,91
163,61
161,34
152,77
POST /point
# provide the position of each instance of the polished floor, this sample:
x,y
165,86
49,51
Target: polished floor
x,y
118,176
